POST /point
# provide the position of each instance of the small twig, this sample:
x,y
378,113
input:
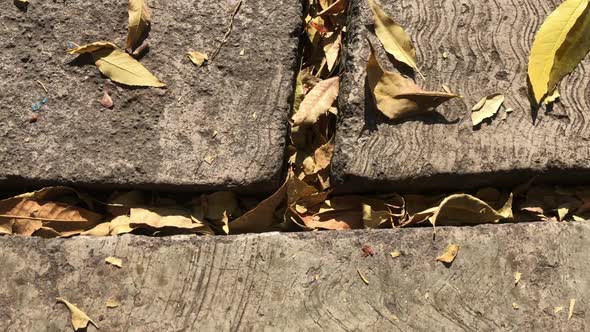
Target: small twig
x,y
229,29
42,85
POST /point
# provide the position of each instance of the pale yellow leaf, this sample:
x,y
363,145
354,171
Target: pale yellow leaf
x,y
449,255
463,209
515,306
396,254
121,225
198,58
559,46
571,309
317,102
102,229
123,68
558,309
112,302
162,217
393,37
92,47
487,107
552,97
118,262
398,97
517,276
139,22
79,319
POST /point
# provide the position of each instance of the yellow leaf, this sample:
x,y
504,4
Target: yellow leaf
x,y
118,262
517,276
79,319
121,225
92,47
449,255
396,254
365,280
123,68
515,306
463,209
397,97
557,310
552,97
559,46
571,310
112,302
393,37
162,217
103,229
317,102
198,58
487,107
139,22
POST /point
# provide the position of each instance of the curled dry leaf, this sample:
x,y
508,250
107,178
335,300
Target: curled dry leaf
x,y
123,68
332,43
262,217
159,218
337,7
106,101
92,47
317,102
139,23
398,97
198,58
449,255
487,107
393,37
560,45
79,319
103,229
118,262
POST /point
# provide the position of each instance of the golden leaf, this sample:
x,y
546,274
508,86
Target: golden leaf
x,y
570,313
123,68
487,107
162,217
118,262
397,97
198,58
103,229
463,209
112,302
79,319
517,276
92,47
552,97
560,45
449,255
139,22
393,37
396,254
317,102
121,225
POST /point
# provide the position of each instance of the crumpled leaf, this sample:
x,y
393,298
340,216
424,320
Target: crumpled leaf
x,y
139,23
92,47
560,45
449,255
393,37
398,97
317,102
118,262
79,319
123,68
159,218
198,58
487,107
262,217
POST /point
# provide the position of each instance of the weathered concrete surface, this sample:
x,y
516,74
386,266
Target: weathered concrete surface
x,y
306,282
488,44
234,111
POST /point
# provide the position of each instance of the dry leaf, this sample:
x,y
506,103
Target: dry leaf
x,y
362,277
337,7
463,209
397,97
198,58
163,217
571,310
552,97
92,47
123,68
103,229
515,306
262,217
557,310
560,45
139,23
106,101
112,302
393,37
118,262
517,276
449,255
332,42
317,102
487,107
121,225
79,319
396,254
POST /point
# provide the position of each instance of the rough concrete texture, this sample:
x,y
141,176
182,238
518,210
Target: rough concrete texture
x,y
305,281
232,112
487,43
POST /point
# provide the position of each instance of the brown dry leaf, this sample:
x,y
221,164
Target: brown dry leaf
x,y
163,217
323,156
198,58
103,229
112,302
121,225
365,280
92,47
317,102
570,313
487,107
398,97
337,7
118,262
123,68
106,101
262,217
449,255
393,37
79,319
463,209
139,23
331,44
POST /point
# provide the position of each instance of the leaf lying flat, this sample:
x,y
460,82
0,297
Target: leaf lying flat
x,y
79,319
317,102
92,47
198,58
397,97
159,218
449,255
139,22
393,37
118,262
123,68
487,107
559,46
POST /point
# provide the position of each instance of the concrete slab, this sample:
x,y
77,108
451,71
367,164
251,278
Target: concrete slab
x,y
486,44
219,126
305,281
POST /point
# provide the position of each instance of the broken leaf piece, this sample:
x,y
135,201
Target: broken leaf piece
x,y
515,306
517,276
393,37
559,46
557,310
365,280
336,7
163,217
106,101
396,254
118,262
112,302
570,314
552,97
92,47
198,58
139,23
317,102
487,107
449,255
398,97
123,68
79,319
